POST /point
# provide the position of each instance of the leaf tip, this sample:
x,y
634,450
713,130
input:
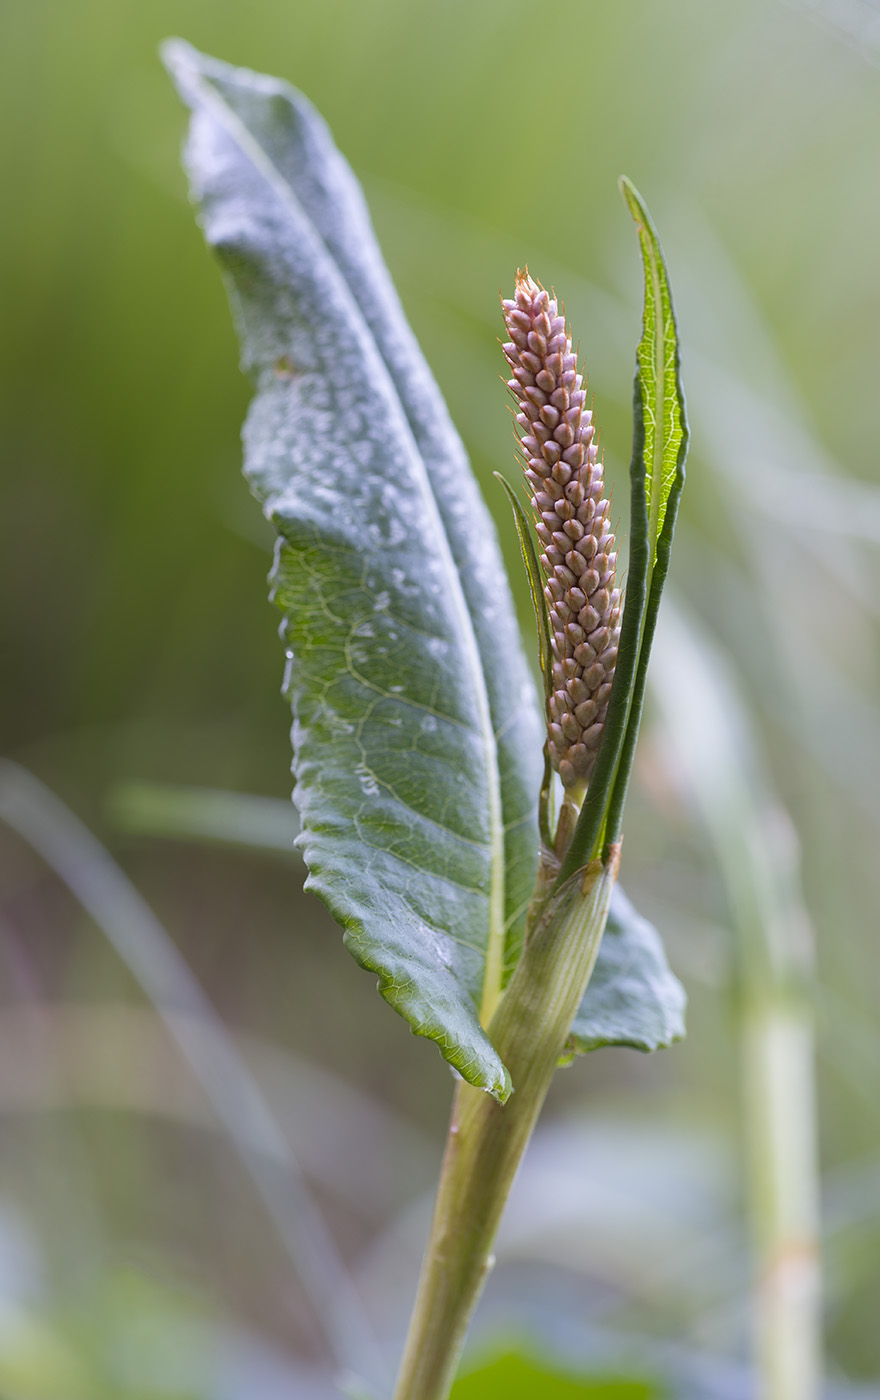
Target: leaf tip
x,y
182,63
177,55
634,202
503,1088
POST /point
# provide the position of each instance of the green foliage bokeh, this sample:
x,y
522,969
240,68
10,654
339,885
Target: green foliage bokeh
x,y
515,1377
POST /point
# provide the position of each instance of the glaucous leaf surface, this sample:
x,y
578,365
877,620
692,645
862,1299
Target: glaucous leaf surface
x,y
416,733
633,997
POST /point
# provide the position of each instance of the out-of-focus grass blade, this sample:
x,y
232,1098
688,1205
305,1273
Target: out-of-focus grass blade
x,y
708,738
204,814
132,928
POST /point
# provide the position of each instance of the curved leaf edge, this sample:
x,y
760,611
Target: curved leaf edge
x,y
471,1054
649,1001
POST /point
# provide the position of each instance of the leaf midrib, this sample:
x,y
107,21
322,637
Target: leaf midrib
x,y
494,962
659,404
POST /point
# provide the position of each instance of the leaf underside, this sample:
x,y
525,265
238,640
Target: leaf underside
x,y
633,998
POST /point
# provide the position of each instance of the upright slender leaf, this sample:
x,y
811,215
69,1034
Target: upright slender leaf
x,y
416,734
664,430
542,626
660,441
663,438
533,575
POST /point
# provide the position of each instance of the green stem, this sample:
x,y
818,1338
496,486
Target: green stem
x,y
487,1140
777,1041
709,735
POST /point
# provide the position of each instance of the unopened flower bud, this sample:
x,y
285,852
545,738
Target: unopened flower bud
x,y
560,460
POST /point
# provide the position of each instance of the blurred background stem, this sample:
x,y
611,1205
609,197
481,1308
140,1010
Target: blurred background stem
x,y
140,940
716,757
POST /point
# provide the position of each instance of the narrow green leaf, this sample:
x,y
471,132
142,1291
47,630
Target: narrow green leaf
x,y
660,441
416,733
664,440
542,625
535,581
633,997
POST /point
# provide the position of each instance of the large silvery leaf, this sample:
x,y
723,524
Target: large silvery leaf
x,y
633,997
416,732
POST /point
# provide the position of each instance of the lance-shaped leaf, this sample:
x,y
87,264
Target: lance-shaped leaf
x,y
660,438
416,733
533,578
542,626
633,997
660,442
661,433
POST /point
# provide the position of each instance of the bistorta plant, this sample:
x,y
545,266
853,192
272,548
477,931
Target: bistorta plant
x,y
482,895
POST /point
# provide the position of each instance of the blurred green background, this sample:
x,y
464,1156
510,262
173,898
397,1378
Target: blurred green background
x,y
138,648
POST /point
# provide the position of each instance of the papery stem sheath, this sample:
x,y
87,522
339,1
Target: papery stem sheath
x,y
487,1140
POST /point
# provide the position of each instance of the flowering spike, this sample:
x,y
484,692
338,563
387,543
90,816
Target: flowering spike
x,y
560,460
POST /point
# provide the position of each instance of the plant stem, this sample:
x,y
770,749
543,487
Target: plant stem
x,y
710,733
487,1140
777,1045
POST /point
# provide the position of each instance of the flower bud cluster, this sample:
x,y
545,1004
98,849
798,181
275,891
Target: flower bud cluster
x,y
578,558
